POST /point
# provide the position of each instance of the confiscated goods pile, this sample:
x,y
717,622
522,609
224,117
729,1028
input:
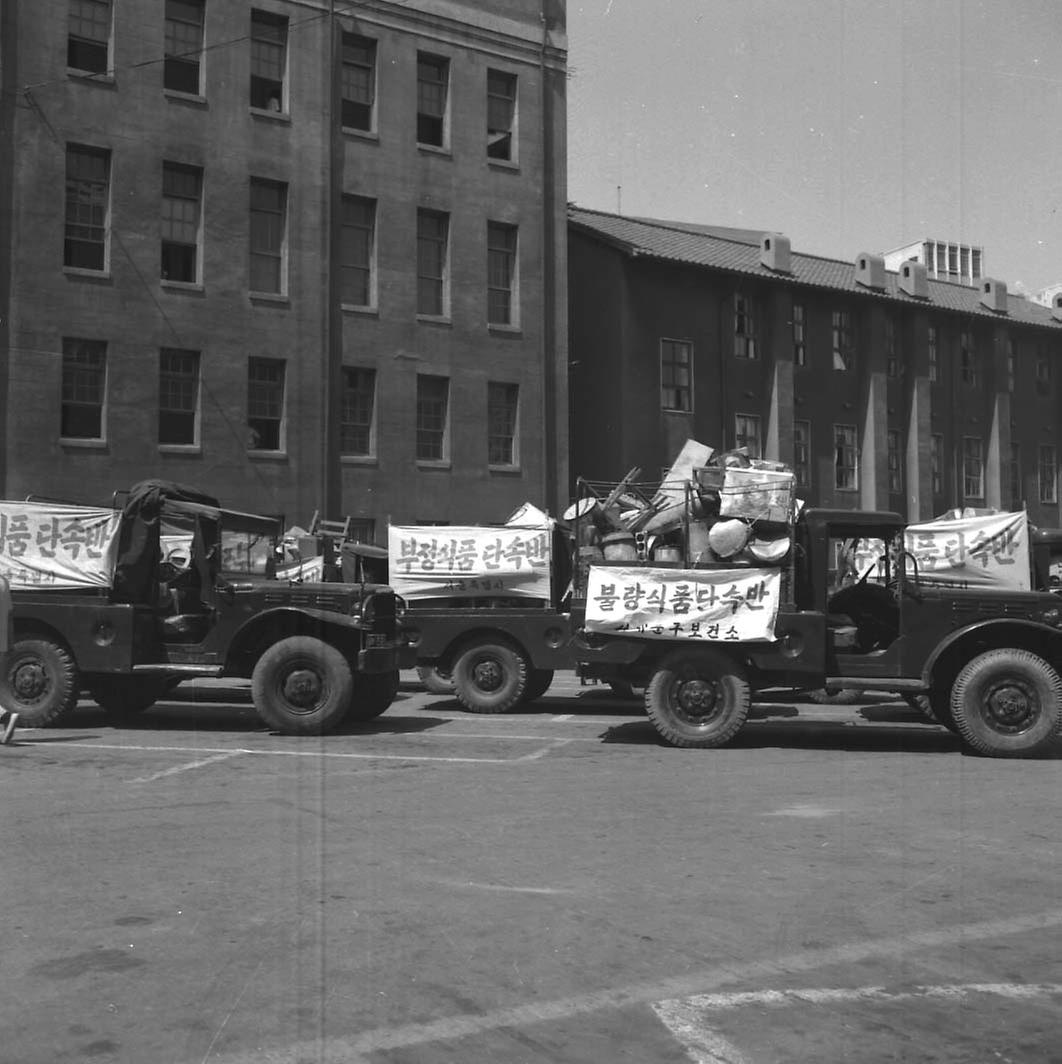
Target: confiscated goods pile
x,y
713,507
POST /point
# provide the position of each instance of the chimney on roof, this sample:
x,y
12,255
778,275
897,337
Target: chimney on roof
x,y
1056,306
994,295
775,253
870,271
914,279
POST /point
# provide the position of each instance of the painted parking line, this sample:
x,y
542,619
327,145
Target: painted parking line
x,y
187,767
687,985
690,1020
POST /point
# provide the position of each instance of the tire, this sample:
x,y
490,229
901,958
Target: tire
x,y
39,682
537,684
125,696
490,677
836,696
939,703
1008,703
373,694
698,698
435,681
302,686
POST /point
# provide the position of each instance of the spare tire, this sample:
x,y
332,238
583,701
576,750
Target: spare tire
x,y
435,681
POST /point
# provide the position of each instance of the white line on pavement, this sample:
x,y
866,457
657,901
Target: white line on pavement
x,y
682,986
702,1044
186,767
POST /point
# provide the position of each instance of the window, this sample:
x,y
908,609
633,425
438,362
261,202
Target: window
x,y
934,366
968,359
183,47
973,468
363,529
1048,474
269,46
1043,375
433,231
895,461
800,348
1012,365
936,463
358,83
1016,487
83,389
178,396
357,434
357,251
747,433
501,114
87,203
676,369
433,394
802,454
269,209
182,188
892,361
88,36
265,404
433,75
842,340
744,327
501,273
846,458
502,402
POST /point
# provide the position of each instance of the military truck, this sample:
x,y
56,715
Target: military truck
x,y
985,656
97,606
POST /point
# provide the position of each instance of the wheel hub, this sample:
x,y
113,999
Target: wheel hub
x,y
697,698
302,688
1010,707
487,675
29,681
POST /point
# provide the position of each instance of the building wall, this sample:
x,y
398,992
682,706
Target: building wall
x,y
137,313
616,383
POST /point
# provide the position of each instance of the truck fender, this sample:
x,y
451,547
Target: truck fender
x,y
1015,631
270,625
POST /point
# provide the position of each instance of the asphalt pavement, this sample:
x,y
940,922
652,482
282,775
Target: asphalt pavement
x,y
838,884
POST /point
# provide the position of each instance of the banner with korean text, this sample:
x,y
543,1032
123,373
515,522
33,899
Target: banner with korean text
x,y
720,605
469,561
57,546
990,551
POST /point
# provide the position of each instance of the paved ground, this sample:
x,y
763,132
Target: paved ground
x,y
840,884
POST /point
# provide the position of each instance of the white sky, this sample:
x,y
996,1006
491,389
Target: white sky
x,y
849,125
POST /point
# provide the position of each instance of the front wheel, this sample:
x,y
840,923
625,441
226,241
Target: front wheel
x,y
698,698
373,694
302,686
490,677
39,682
1008,703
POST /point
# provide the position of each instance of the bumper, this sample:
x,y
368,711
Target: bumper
x,y
386,659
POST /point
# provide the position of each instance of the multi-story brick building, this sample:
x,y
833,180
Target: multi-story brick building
x,y
307,255
883,390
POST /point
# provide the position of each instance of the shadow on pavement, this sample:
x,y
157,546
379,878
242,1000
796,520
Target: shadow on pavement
x,y
807,735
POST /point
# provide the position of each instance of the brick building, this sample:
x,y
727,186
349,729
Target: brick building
x,y
883,390
306,256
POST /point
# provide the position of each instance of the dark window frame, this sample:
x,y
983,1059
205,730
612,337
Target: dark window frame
x,y
357,424
88,37
179,384
503,243
676,375
502,88
182,68
432,418
503,417
86,243
433,100
269,61
83,390
268,236
181,222
358,83
433,263
266,402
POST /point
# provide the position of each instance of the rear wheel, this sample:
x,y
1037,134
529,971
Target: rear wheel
x,y
373,694
1008,703
538,684
698,698
490,677
39,682
435,681
302,686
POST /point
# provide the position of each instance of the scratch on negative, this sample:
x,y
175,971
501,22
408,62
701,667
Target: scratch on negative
x,y
235,1005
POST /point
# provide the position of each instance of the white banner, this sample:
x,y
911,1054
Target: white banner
x,y
469,561
53,545
720,605
988,551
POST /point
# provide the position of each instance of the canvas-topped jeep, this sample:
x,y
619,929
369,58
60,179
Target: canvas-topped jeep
x,y
316,654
